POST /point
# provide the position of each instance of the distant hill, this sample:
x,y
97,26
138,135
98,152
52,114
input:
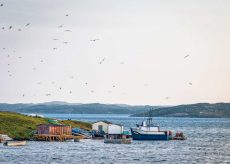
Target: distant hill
x,y
202,110
70,108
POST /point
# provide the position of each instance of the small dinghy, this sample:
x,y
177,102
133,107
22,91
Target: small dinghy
x,y
179,136
69,140
118,141
14,143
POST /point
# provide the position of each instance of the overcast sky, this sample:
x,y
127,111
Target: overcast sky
x,y
138,59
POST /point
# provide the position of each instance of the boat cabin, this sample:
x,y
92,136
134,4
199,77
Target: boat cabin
x,y
148,126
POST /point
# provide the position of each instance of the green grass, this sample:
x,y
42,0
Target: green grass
x,y
19,126
79,124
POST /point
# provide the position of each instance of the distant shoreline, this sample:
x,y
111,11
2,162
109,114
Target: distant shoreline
x,y
201,110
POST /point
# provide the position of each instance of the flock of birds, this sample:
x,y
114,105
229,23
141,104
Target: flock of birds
x,y
55,48
34,68
10,27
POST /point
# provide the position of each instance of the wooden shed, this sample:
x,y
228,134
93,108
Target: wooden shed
x,y
115,129
54,129
101,126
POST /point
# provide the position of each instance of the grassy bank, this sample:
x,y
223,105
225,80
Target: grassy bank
x,y
19,126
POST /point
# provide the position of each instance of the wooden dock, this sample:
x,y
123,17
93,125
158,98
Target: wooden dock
x,y
60,138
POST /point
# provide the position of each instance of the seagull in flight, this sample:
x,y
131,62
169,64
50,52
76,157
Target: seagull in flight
x,y
10,27
68,31
1,5
61,26
102,61
186,56
190,83
27,24
93,40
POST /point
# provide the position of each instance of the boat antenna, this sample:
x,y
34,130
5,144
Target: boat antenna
x,y
149,120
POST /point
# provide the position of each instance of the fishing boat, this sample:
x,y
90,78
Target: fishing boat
x,y
15,143
148,131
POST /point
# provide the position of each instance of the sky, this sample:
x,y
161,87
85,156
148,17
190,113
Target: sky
x,y
137,52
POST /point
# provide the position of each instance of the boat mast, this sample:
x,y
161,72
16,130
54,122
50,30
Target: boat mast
x,y
149,120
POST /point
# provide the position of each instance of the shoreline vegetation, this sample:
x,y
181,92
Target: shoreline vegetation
x,y
21,127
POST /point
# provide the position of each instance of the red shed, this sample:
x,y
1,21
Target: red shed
x,y
53,129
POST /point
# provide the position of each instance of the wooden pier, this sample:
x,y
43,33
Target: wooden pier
x,y
50,137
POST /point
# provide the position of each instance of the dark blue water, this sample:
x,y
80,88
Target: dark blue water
x,y
208,142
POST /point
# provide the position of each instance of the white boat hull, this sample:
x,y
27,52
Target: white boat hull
x,y
15,143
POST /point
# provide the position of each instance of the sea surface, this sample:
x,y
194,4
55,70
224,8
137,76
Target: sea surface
x,y
208,142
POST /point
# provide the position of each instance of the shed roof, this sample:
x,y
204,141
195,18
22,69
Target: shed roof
x,y
107,122
117,125
55,124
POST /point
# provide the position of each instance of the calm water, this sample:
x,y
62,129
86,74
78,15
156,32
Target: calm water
x,y
208,142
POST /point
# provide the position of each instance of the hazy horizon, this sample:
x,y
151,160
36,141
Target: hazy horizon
x,y
79,103
148,52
